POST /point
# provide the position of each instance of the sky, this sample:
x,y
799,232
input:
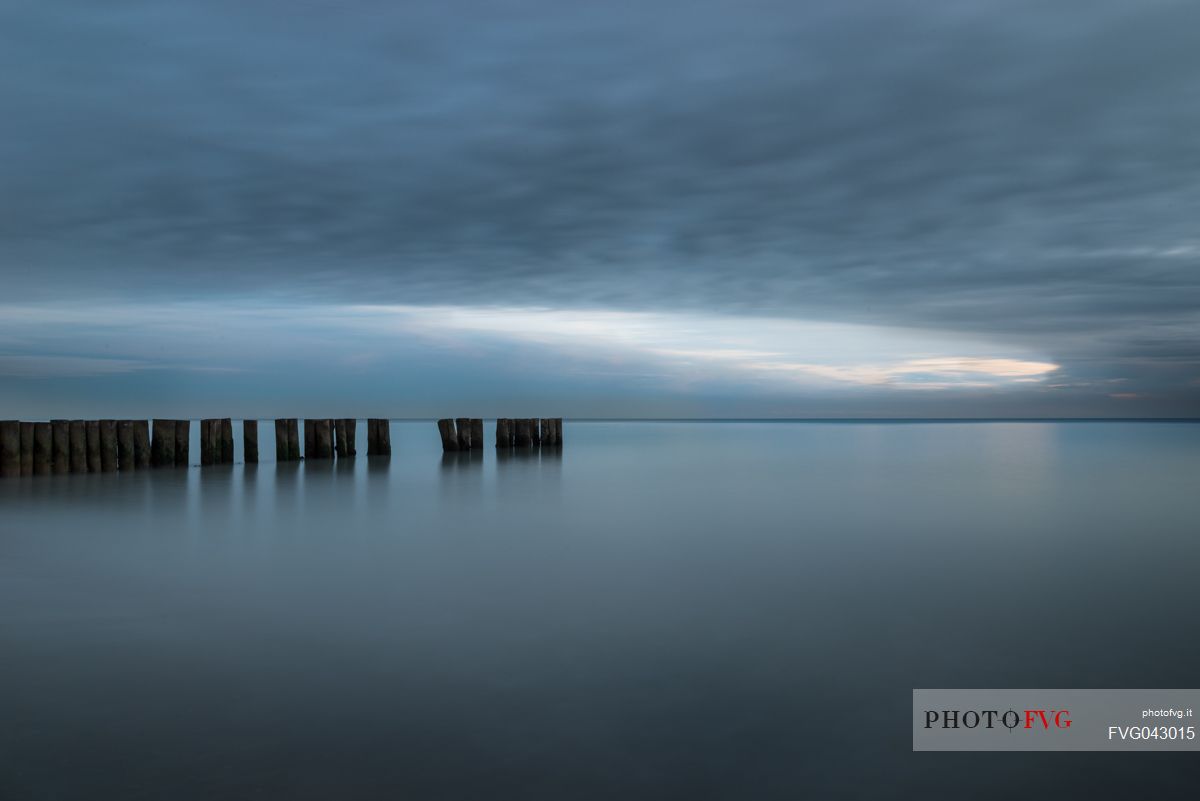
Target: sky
x,y
713,208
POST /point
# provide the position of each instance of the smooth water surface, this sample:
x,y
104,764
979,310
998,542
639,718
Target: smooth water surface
x,y
661,610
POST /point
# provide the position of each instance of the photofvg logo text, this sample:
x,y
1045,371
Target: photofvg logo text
x,y
1054,720
1027,719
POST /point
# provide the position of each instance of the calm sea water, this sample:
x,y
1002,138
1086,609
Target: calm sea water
x,y
663,610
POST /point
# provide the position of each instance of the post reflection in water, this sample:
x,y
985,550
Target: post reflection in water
x,y
456,460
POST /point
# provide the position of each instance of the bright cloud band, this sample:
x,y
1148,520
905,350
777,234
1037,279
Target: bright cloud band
x,y
676,348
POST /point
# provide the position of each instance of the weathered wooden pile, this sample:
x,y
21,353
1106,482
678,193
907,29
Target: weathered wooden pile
x,y
216,441
461,433
287,440
169,443
379,437
529,432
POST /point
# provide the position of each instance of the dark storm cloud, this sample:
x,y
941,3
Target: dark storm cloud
x,y
1024,170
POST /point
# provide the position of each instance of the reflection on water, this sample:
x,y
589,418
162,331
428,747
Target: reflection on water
x,y
462,460
659,610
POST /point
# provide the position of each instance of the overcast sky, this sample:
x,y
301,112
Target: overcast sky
x,y
653,208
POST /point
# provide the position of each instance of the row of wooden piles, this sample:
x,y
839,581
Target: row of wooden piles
x,y
466,433
531,432
325,439
102,446
90,446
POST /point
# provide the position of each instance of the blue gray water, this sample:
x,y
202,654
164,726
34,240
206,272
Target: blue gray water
x,y
665,610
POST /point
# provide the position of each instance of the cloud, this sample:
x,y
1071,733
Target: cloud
x,y
669,345
1022,174
928,373
45,366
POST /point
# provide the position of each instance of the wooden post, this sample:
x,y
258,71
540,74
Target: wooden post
x,y
162,446
521,433
108,446
558,431
339,438
463,426
156,443
61,434
183,438
43,449
206,454
351,429
385,437
77,439
553,424
477,433
250,441
10,448
27,449
210,441
310,438
293,440
93,445
125,457
322,439
449,438
503,433
141,444
214,440
379,431
281,441
107,429
227,440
